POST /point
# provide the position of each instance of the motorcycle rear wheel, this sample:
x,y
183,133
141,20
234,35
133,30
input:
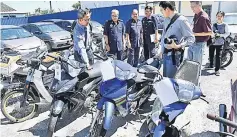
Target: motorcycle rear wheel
x,y
33,108
226,61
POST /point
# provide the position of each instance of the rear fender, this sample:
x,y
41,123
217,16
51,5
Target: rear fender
x,y
109,112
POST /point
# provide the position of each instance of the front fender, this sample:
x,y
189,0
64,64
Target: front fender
x,y
109,112
159,130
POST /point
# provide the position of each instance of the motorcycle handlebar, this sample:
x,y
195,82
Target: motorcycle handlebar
x,y
222,120
60,58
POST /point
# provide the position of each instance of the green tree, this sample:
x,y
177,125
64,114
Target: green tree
x,y
77,5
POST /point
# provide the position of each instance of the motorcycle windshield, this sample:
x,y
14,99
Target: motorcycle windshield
x,y
156,111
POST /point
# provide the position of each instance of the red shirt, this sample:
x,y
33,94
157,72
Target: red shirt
x,y
202,23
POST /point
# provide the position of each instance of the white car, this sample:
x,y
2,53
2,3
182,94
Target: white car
x,y
18,39
231,20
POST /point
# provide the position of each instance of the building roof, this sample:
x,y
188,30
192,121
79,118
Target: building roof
x,y
42,23
52,20
8,26
6,8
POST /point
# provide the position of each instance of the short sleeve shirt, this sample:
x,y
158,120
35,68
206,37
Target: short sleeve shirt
x,y
202,23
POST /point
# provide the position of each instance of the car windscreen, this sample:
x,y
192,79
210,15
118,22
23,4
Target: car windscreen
x,y
96,24
48,28
231,19
14,33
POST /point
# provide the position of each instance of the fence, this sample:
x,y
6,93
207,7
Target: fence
x,y
14,21
99,14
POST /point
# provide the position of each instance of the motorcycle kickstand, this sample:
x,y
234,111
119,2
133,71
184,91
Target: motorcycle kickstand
x,y
184,126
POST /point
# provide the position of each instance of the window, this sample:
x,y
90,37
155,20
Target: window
x,y
34,28
14,33
231,19
47,28
59,24
27,28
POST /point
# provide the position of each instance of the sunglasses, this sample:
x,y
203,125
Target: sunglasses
x,y
114,16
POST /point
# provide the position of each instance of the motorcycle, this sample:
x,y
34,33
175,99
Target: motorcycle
x,y
226,52
22,102
173,96
122,94
223,118
74,91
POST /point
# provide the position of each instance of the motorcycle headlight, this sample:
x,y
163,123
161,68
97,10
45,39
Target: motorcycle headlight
x,y
124,75
187,91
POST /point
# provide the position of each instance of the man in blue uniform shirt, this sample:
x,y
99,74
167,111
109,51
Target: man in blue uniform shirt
x,y
150,29
82,51
134,38
114,33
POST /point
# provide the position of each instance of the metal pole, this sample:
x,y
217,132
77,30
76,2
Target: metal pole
x,y
219,6
50,4
179,6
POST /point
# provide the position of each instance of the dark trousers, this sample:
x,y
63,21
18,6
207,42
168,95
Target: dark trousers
x,y
212,50
133,56
118,53
149,50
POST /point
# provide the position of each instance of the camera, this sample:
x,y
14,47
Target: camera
x,y
169,40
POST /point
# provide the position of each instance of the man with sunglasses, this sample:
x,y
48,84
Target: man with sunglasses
x,y
81,36
114,33
134,38
150,30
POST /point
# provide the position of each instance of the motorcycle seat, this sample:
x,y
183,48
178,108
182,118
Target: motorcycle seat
x,y
48,64
95,71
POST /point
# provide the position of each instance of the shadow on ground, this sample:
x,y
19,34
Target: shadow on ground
x,y
42,109
40,129
120,121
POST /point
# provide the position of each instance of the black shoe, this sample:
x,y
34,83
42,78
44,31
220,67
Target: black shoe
x,y
210,67
217,73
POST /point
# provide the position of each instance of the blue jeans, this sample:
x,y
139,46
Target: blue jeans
x,y
195,52
169,69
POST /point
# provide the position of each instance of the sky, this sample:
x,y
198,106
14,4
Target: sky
x,y
30,6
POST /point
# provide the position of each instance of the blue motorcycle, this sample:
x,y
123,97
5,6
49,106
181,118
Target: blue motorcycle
x,y
122,95
173,96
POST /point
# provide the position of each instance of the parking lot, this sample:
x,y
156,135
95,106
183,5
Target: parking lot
x,y
217,90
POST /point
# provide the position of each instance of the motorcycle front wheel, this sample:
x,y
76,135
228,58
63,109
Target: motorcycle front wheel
x,y
226,58
10,106
98,130
52,125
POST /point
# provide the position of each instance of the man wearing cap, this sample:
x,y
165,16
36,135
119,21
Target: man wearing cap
x,y
114,33
150,30
134,38
82,50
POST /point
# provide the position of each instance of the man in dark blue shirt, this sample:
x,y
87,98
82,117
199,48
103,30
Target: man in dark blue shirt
x,y
114,32
134,38
150,29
